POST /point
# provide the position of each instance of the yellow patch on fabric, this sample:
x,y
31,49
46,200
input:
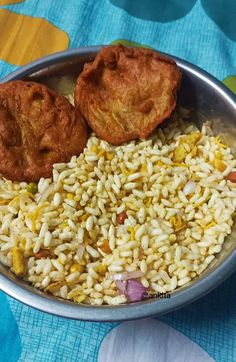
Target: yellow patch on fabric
x,y
25,38
230,82
129,43
7,2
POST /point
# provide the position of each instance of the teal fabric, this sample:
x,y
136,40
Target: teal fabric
x,y
202,32
194,37
10,344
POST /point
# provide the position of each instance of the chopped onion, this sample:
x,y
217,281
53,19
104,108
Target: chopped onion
x,y
135,290
126,275
121,285
189,188
132,289
46,193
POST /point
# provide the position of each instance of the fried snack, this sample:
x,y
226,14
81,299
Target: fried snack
x,y
37,129
126,92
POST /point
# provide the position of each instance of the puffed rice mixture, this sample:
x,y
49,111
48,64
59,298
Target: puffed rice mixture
x,y
170,192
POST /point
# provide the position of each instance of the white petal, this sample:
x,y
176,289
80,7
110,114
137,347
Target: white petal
x,y
149,340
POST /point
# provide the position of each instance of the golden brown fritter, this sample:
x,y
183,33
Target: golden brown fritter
x,y
37,129
126,92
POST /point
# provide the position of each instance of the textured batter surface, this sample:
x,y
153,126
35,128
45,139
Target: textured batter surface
x,y
125,93
37,128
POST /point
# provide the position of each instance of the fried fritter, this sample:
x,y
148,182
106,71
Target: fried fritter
x,y
38,128
126,92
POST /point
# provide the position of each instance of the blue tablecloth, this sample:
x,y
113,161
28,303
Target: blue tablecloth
x,y
202,32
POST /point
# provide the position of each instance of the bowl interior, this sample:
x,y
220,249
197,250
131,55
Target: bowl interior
x,y
208,101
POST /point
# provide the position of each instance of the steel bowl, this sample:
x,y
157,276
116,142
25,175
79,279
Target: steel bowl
x,y
209,100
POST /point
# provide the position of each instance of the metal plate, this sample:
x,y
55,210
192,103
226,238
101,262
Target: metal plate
x,y
209,100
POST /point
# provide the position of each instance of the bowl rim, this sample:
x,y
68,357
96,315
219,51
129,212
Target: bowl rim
x,y
152,307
